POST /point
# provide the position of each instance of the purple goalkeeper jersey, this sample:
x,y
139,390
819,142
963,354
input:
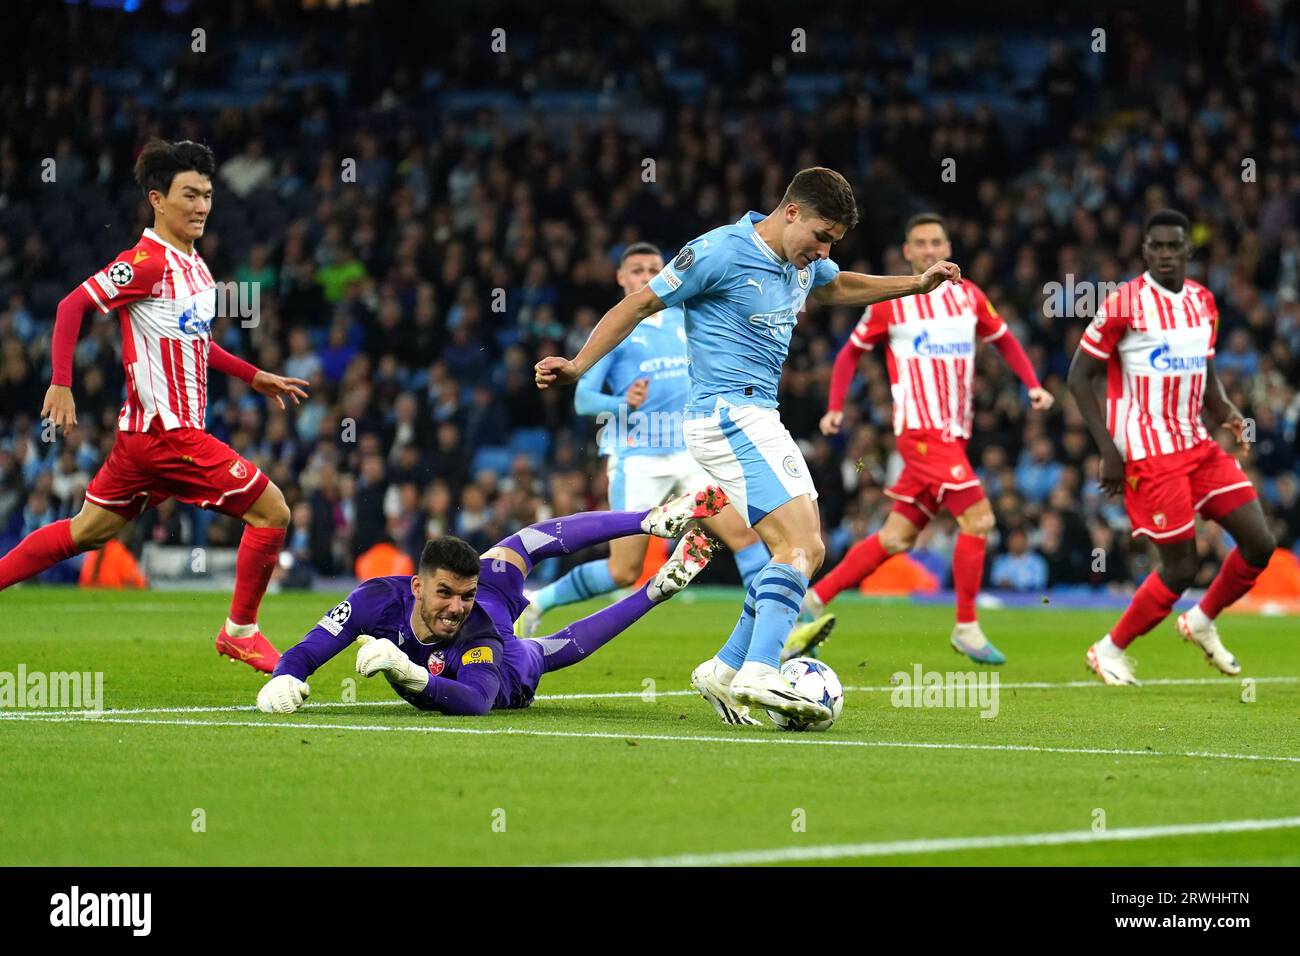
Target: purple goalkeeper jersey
x,y
483,667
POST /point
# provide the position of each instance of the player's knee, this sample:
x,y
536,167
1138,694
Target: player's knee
x,y
1258,551
896,542
1179,574
979,524
809,556
271,511
623,575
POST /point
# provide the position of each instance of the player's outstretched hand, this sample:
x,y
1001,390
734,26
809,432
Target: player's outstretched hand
x,y
282,695
1040,399
555,370
1111,477
277,386
831,422
938,273
383,656
1237,425
59,407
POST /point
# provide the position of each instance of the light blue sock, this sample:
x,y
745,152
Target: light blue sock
x,y
778,592
750,560
733,652
583,582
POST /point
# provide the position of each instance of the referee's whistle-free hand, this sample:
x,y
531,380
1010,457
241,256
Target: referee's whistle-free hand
x,y
555,370
282,695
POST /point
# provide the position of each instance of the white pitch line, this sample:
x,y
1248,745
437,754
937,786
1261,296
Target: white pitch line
x,y
629,694
841,851
792,740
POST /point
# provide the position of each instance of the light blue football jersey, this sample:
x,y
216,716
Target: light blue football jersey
x,y
656,350
741,302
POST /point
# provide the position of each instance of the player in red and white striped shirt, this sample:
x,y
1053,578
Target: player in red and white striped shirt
x,y
165,298
929,342
1153,342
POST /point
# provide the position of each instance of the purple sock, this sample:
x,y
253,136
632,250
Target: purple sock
x,y
571,534
583,638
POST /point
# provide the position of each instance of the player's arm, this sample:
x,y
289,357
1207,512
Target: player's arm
x,y
1087,372
1219,410
860,289
285,692
590,397
264,383
127,279
992,329
59,406
470,694
614,326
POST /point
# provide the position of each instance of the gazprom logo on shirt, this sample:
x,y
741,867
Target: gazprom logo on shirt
x,y
191,324
1163,360
923,346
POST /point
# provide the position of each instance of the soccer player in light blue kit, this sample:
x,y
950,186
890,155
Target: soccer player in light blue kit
x,y
742,287
640,421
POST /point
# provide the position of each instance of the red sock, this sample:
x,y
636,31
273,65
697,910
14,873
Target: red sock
x,y
42,549
259,550
967,573
863,558
1150,605
1234,579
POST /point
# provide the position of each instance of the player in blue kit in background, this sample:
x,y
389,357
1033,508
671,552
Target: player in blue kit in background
x,y
444,637
640,431
742,287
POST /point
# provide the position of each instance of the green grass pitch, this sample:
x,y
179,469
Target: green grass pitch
x,y
636,775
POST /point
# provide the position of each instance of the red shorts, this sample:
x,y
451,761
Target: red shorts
x,y
936,474
1163,494
146,468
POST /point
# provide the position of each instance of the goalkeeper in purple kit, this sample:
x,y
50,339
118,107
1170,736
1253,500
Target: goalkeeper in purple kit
x,y
444,637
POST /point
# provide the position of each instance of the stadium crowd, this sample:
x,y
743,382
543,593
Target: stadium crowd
x,y
416,295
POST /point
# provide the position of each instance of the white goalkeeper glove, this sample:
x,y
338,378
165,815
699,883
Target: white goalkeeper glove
x,y
383,655
282,695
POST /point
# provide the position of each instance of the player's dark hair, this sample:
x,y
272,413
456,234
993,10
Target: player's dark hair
x,y
159,162
825,193
450,553
925,219
1167,217
639,249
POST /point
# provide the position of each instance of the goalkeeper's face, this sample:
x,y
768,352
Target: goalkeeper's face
x,y
443,600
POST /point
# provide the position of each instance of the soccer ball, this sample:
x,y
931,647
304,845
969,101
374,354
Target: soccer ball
x,y
812,679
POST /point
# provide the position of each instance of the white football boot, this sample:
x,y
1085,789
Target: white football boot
x,y
527,622
671,518
1200,630
689,558
713,680
1111,664
761,685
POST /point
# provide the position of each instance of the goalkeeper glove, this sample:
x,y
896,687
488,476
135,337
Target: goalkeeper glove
x,y
282,695
383,655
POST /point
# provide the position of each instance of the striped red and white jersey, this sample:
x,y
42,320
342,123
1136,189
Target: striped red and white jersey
x,y
1157,344
930,353
166,301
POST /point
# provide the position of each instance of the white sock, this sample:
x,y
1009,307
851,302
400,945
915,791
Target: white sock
x,y
724,673
240,630
1109,648
1198,619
